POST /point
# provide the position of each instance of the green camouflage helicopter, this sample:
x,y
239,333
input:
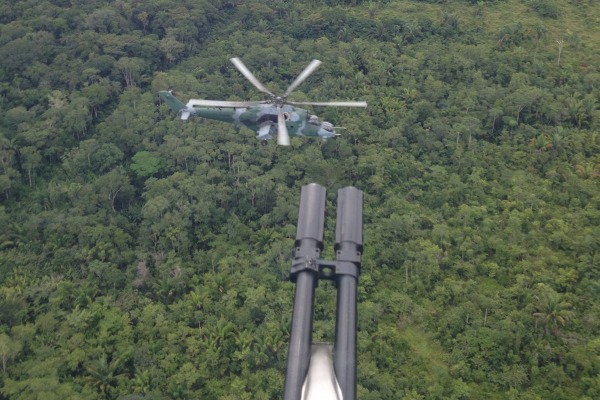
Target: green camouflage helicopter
x,y
274,116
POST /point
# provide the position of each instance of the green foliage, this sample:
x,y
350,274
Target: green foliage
x,y
145,163
142,257
545,8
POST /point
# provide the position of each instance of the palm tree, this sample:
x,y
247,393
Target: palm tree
x,y
103,376
142,381
552,311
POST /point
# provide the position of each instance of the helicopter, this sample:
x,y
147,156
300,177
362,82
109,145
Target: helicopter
x,y
275,116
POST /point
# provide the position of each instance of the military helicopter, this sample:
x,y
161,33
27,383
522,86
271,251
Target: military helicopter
x,y
274,116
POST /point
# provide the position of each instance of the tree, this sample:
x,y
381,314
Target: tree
x,y
145,163
9,349
114,188
103,375
551,310
31,159
131,68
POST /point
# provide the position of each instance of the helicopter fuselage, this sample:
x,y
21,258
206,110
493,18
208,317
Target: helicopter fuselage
x,y
261,118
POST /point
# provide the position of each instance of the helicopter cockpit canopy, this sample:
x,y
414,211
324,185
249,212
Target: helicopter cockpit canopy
x,y
328,126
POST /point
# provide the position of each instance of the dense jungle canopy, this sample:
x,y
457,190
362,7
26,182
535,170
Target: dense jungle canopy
x,y
144,257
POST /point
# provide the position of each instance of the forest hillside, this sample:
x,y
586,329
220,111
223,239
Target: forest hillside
x,y
145,257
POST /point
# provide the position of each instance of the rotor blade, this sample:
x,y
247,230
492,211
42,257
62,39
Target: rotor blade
x,y
218,103
246,72
314,64
283,138
331,103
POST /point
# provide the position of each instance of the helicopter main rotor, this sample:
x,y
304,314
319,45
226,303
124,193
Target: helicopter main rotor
x,y
283,137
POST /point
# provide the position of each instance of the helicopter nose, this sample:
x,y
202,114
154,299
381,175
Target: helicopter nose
x,y
328,126
327,130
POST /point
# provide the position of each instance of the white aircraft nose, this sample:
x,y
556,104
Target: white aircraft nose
x,y
321,383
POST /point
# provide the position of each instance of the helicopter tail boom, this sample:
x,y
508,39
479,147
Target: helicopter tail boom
x,y
175,104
